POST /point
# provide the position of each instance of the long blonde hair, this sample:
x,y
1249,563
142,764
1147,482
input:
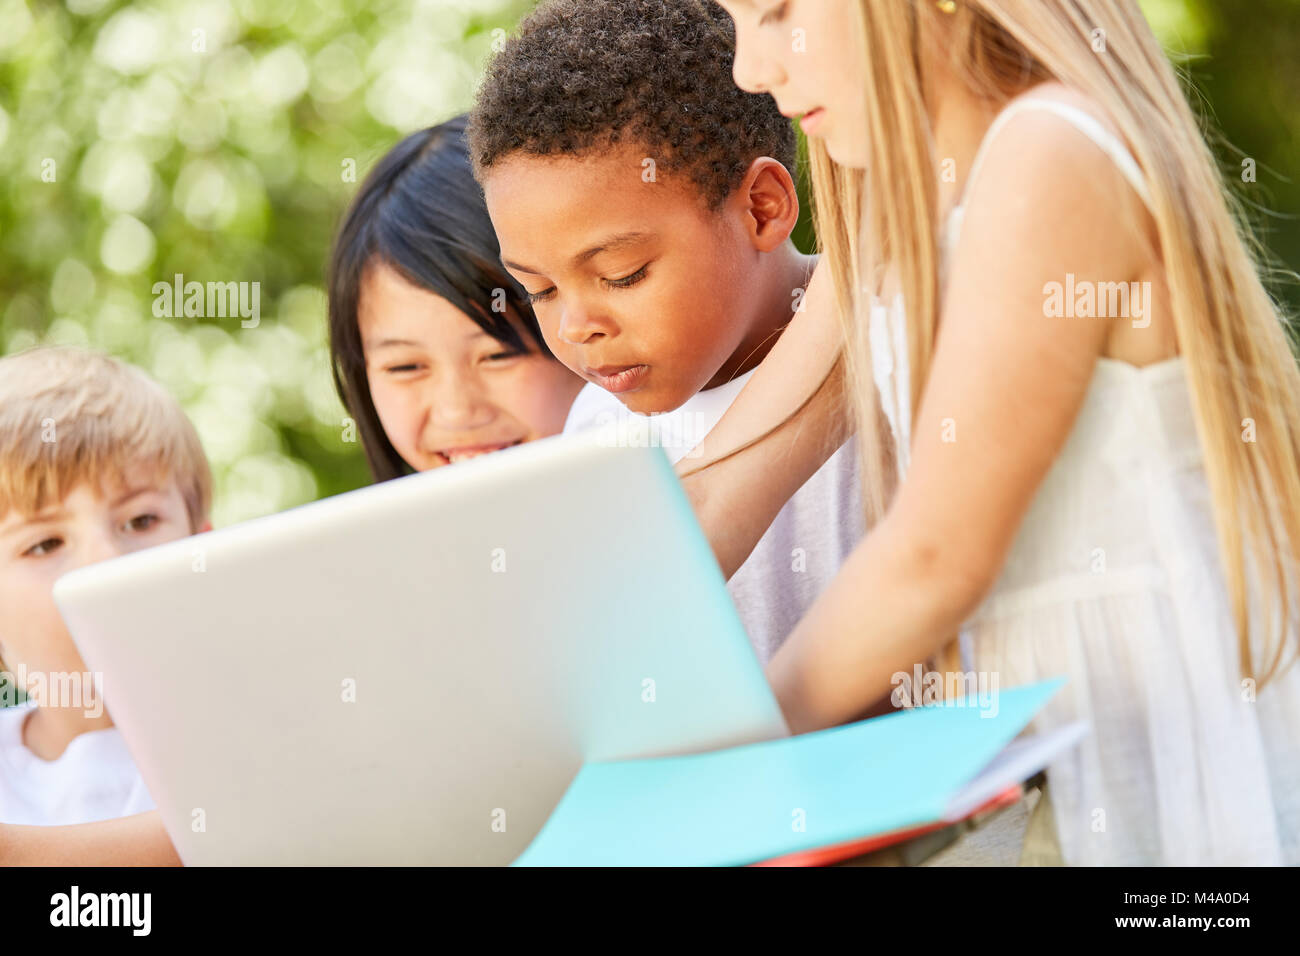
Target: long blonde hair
x,y
1231,334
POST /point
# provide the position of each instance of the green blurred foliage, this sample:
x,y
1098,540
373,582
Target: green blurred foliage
x,y
1244,62
213,138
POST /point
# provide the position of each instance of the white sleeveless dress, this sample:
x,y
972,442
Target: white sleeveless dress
x,y
1114,581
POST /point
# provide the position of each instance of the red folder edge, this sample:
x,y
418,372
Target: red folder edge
x,y
826,855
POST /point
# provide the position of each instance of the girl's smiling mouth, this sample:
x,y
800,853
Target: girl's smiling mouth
x,y
450,456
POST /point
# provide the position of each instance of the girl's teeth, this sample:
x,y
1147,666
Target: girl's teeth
x,y
466,455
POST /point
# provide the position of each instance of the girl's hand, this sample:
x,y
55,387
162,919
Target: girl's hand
x,y
737,499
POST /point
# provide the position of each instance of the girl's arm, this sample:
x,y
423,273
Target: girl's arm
x,y
737,499
138,840
1005,387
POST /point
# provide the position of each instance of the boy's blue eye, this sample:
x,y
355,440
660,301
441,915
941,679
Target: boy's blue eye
x,y
626,281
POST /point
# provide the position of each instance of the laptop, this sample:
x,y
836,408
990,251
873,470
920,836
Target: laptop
x,y
414,672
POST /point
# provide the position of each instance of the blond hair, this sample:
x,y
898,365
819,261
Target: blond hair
x,y
69,416
1238,356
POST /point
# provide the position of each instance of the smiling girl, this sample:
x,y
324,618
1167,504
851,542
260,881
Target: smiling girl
x,y
435,349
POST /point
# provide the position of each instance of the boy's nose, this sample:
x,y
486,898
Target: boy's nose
x,y
579,325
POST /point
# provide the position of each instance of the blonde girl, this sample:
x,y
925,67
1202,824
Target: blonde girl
x,y
1077,403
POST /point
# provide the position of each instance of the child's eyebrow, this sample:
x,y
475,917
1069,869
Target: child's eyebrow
x,y
16,523
388,343
19,523
56,514
136,493
608,244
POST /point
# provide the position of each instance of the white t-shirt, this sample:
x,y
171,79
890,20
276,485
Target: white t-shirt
x,y
804,546
93,779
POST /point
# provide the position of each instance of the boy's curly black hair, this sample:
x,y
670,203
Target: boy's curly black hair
x,y
581,75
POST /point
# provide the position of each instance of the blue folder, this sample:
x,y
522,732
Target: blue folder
x,y
766,800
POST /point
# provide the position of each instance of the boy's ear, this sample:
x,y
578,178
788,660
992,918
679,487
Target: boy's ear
x,y
770,203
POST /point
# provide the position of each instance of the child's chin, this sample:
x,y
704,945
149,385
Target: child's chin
x,y
650,403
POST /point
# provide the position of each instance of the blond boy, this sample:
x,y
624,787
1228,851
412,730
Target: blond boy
x,y
96,460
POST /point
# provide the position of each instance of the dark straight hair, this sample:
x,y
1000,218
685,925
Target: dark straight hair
x,y
421,213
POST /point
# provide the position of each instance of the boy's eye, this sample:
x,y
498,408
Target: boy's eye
x,y
43,548
142,522
622,283
626,281
399,369
503,356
